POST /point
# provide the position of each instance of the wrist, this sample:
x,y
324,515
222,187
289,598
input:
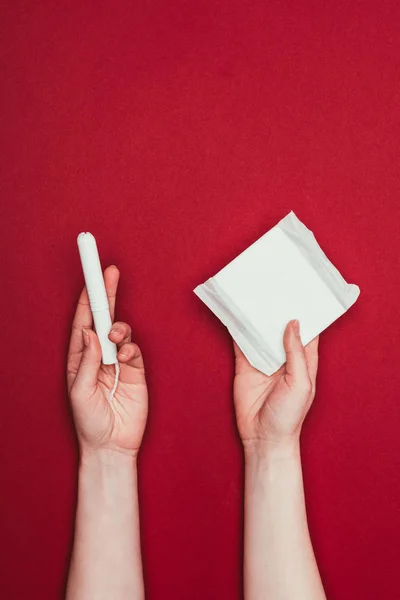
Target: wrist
x,y
108,484
107,458
271,451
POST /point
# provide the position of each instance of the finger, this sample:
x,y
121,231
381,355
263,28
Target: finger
x,y
86,380
111,280
311,352
121,333
131,356
83,319
296,365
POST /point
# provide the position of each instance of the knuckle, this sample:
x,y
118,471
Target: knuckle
x,y
127,329
128,348
122,327
136,350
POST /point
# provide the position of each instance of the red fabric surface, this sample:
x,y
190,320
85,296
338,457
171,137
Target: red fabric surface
x,y
178,133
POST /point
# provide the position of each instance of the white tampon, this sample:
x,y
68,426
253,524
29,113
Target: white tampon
x,y
98,299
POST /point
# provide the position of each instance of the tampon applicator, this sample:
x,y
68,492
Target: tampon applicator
x,y
98,300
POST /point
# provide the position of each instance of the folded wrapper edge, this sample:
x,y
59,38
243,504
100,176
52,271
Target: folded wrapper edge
x,y
242,331
345,293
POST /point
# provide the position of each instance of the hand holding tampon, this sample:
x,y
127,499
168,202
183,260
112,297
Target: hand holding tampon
x,y
117,425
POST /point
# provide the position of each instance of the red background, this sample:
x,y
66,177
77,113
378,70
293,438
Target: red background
x,y
178,132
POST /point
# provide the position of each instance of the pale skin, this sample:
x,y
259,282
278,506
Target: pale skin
x,y
279,562
106,559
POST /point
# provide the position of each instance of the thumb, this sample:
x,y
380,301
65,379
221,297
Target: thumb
x,y
296,364
86,379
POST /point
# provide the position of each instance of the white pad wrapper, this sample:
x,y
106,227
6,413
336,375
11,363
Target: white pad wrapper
x,y
284,275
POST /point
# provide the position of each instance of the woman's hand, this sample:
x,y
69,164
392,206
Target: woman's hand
x,y
272,409
279,560
119,425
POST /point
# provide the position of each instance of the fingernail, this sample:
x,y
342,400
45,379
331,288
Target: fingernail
x,y
296,327
122,354
114,331
86,338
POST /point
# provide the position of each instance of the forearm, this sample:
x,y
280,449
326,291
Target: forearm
x,y
106,558
279,562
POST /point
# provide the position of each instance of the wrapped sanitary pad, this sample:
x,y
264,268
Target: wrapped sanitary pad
x,y
284,275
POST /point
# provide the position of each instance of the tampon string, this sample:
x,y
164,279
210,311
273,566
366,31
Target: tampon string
x,y
117,372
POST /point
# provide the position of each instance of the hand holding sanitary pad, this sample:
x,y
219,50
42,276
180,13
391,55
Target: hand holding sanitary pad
x,y
284,275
